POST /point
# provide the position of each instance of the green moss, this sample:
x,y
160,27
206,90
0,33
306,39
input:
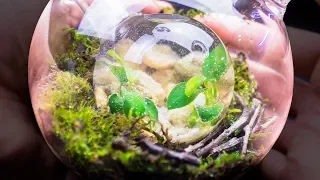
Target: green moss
x,y
80,52
245,84
67,91
89,133
225,158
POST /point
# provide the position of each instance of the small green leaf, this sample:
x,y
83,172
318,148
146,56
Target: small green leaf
x,y
209,113
216,64
193,84
115,104
177,97
116,57
192,121
133,104
119,72
151,109
211,92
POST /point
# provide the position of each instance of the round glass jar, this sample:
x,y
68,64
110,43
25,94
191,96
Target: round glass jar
x,y
161,89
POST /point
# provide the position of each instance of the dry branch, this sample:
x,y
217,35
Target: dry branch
x,y
249,127
239,100
182,156
231,143
204,141
239,124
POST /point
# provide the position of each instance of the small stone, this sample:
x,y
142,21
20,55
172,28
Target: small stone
x,y
148,135
160,57
101,97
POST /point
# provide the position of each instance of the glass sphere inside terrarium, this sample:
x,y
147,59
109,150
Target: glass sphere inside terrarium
x,y
164,89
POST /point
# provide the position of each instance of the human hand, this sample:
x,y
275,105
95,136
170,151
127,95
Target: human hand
x,y
278,60
23,152
270,60
295,154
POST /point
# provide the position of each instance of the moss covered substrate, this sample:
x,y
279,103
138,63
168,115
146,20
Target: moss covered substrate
x,y
87,133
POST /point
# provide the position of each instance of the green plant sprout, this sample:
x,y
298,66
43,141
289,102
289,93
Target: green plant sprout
x,y
132,104
213,68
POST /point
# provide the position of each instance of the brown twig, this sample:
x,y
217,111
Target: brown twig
x,y
217,130
182,156
204,141
269,122
129,131
239,100
248,129
239,124
231,143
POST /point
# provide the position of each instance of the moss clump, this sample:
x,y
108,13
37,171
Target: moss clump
x,y
80,52
245,83
67,91
89,135
245,86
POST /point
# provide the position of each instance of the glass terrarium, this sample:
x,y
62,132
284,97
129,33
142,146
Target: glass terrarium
x,y
161,89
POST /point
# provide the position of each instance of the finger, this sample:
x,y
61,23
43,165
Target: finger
x,y
273,86
155,6
264,42
305,50
304,100
315,78
274,164
286,137
22,148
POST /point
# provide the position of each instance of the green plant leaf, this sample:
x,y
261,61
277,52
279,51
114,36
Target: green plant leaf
x,y
177,97
151,109
134,104
192,121
210,113
216,64
119,72
115,104
116,57
193,84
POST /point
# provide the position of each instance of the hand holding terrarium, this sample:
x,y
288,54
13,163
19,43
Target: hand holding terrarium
x,y
127,87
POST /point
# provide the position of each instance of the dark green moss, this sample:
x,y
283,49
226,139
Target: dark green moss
x,y
80,52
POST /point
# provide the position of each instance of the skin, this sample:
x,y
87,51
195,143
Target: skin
x,y
295,155
24,150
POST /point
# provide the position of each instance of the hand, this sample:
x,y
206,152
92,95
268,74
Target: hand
x,y
23,152
295,155
273,68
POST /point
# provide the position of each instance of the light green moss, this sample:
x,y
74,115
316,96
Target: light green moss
x,y
67,91
245,84
191,13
